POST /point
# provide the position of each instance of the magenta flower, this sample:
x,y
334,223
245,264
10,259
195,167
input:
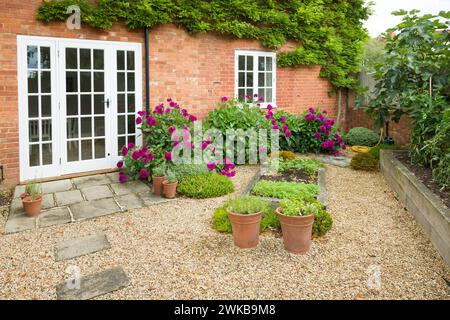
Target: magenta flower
x,y
211,166
184,112
269,115
288,133
231,174
317,135
168,156
138,120
124,151
205,145
224,99
283,119
167,110
172,129
143,174
192,118
120,164
142,113
343,146
261,99
275,127
323,128
150,156
176,144
136,155
131,145
122,177
284,128
310,117
274,122
151,121
269,107
159,109
320,117
311,110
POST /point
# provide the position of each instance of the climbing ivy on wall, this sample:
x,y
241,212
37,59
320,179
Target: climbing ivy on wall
x,y
329,33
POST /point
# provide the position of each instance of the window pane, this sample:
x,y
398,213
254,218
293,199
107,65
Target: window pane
x,y
130,60
45,57
121,81
121,103
121,124
33,130
131,103
47,154
99,106
32,56
72,104
99,148
249,93
99,126
98,59
241,80
46,106
241,62
268,95
71,81
268,63
261,64
72,128
45,82
269,79
120,144
32,82
261,79
261,94
86,127
85,103
72,150
241,94
249,62
131,124
131,139
130,81
85,59
86,149
71,58
99,81
249,79
33,106
85,81
46,130
34,155
120,60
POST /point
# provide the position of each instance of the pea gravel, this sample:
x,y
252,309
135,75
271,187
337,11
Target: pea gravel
x,y
170,251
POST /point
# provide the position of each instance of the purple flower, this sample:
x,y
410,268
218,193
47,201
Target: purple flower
x,y
142,113
269,107
310,117
343,146
320,117
274,122
172,129
124,151
168,156
151,121
323,128
120,164
136,155
231,174
224,99
167,110
122,177
143,174
317,135
176,144
150,156
138,120
288,133
192,118
311,110
283,119
131,145
211,166
275,127
159,109
269,115
205,144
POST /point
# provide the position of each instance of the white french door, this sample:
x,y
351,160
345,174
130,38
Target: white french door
x,y
77,104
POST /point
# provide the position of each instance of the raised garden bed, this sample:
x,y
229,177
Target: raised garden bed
x,y
426,206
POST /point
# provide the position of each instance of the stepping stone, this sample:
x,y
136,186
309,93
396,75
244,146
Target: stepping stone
x,y
18,191
56,186
19,222
342,162
47,201
94,285
94,208
54,217
150,199
68,197
130,187
16,208
113,177
130,201
81,246
97,192
89,181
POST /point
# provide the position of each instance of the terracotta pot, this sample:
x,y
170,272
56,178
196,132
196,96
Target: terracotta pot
x,y
169,189
157,184
31,206
245,229
297,232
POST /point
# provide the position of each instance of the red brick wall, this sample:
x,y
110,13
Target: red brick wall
x,y
196,70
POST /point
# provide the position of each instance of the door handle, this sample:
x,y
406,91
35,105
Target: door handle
x,y
107,103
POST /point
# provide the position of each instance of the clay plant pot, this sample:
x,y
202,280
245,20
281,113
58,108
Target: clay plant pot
x,y
169,189
245,229
157,185
31,206
297,232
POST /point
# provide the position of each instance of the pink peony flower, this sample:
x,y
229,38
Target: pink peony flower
x,y
142,113
343,146
269,115
143,174
131,145
150,156
138,120
172,129
288,133
151,121
167,110
124,151
224,99
274,122
211,166
275,127
269,107
317,135
136,155
284,128
192,118
184,112
120,164
168,156
283,119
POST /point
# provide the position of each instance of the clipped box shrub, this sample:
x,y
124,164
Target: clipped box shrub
x,y
360,136
205,186
364,161
183,171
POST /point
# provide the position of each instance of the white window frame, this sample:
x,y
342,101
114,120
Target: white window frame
x,y
256,55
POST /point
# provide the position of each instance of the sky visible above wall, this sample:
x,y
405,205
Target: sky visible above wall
x,y
382,19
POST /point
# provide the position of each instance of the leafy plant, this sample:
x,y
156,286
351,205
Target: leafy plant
x,y
375,151
246,205
283,189
159,170
364,161
296,207
33,190
136,164
171,177
308,165
183,171
205,186
323,221
360,136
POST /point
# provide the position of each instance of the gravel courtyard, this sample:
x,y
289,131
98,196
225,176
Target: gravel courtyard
x,y
169,251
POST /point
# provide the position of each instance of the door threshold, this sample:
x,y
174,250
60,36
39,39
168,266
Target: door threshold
x,y
70,176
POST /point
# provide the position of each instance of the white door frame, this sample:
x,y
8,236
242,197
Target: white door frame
x,y
57,45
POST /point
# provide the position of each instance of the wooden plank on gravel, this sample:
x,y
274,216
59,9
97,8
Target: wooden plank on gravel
x,y
93,285
81,246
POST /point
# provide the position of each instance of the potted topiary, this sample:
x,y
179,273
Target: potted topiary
x,y
297,219
170,185
32,199
157,178
245,216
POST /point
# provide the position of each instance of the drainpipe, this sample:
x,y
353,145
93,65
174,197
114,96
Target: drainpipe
x,y
147,74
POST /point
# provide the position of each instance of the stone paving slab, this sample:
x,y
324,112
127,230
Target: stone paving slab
x,y
81,246
94,285
16,208
97,192
56,186
89,181
150,199
20,223
18,191
113,176
68,197
53,217
130,201
130,187
342,162
48,201
94,208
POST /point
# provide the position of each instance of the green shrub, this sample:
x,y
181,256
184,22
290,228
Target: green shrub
x,y
308,165
282,189
375,151
183,171
364,161
322,221
246,205
295,207
205,186
360,136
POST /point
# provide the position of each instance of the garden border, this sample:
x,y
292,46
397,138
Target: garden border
x,y
428,210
